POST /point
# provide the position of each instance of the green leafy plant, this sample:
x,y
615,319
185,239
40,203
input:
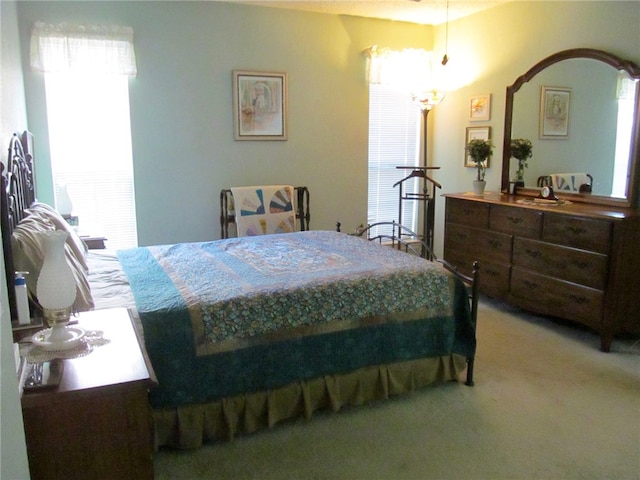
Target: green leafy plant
x,y
522,150
479,151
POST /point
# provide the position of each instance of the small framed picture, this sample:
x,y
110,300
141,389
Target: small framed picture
x,y
480,108
555,103
481,133
259,105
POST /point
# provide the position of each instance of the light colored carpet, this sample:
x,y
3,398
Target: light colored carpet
x,y
547,404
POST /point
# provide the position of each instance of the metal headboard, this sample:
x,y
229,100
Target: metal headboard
x,y
17,184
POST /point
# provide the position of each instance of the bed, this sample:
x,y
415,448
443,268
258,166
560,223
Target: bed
x,y
244,333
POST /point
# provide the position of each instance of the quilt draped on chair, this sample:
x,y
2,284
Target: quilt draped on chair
x,y
264,210
569,182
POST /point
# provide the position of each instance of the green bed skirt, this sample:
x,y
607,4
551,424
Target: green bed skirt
x,y
188,427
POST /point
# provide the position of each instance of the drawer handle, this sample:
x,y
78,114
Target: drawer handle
x,y
467,211
515,220
491,273
494,243
577,230
530,284
533,253
580,300
462,236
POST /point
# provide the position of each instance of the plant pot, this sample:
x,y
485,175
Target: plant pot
x,y
478,186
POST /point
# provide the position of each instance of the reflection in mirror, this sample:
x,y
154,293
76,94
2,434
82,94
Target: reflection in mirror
x,y
599,137
597,133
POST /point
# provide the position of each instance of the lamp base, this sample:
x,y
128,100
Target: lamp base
x,y
58,338
56,316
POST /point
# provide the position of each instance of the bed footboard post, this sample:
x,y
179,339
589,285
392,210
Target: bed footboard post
x,y
469,381
302,195
474,318
224,214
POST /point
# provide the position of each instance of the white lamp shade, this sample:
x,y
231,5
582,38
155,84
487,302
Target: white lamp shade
x,y
64,205
56,288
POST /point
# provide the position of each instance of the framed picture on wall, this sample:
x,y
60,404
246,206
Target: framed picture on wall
x,y
259,105
480,108
480,133
555,103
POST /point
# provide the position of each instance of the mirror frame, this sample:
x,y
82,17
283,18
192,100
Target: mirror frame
x,y
632,69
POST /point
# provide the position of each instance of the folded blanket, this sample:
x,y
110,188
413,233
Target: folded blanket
x,y
264,210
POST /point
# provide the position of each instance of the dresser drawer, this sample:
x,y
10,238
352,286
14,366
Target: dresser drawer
x,y
555,297
494,277
477,243
464,212
517,221
585,233
577,266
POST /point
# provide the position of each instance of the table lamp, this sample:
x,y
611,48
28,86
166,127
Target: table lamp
x,y
56,292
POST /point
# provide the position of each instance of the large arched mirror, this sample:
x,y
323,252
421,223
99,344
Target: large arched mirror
x,y
597,132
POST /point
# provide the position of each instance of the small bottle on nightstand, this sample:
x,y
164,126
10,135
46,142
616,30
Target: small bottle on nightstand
x,y
22,299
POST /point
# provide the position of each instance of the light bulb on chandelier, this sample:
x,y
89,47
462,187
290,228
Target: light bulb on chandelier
x,y
427,100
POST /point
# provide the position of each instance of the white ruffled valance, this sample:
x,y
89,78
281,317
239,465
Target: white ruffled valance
x,y
82,49
408,69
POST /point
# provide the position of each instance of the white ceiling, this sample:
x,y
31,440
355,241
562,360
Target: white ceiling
x,y
426,12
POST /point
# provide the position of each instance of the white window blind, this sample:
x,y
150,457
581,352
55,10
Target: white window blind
x,y
394,140
87,69
90,145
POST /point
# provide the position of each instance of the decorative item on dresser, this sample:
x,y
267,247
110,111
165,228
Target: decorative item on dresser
x,y
568,260
479,150
522,151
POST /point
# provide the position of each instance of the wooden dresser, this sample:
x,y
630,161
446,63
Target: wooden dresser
x,y
578,262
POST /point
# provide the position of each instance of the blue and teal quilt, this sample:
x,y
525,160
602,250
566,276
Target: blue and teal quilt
x,y
247,314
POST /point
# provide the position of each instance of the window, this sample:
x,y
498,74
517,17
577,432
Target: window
x,y
86,70
626,101
394,140
90,145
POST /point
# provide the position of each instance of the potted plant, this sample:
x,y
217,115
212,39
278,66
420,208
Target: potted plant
x,y
522,150
479,151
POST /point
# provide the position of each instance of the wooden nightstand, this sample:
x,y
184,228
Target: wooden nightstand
x,y
97,423
94,243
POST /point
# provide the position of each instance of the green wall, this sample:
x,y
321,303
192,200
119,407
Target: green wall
x,y
184,151
181,107
13,117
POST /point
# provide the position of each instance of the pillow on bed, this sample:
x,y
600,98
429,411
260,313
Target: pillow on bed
x,y
75,242
27,243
